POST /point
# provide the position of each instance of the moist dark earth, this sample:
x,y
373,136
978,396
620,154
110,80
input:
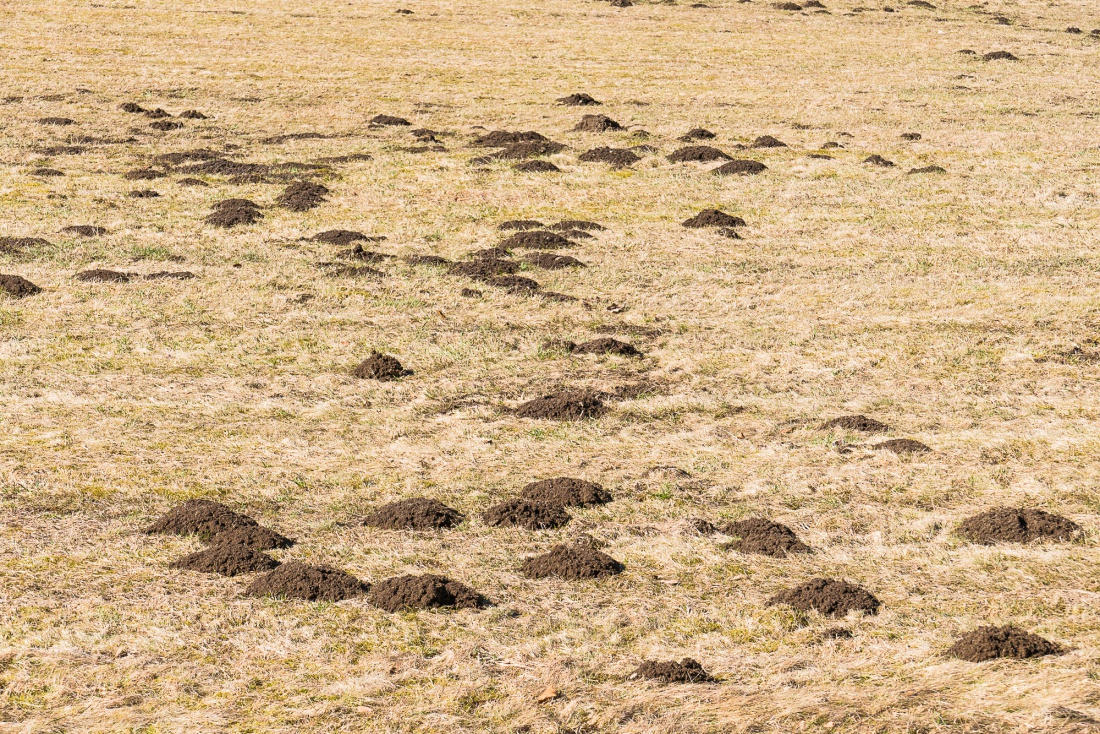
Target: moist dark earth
x,y
989,643
566,492
227,559
380,367
428,591
567,405
526,513
296,580
1016,525
687,670
830,597
758,535
575,562
417,513
204,518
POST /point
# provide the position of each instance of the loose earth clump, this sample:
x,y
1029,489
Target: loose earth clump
x,y
617,157
536,167
256,537
927,169
999,56
17,286
767,141
856,423
902,446
520,224
502,138
340,237
296,580
231,212
566,492
417,513
757,535
550,261
830,597
143,194
15,245
1016,525
989,643
530,149
565,405
380,367
301,196
607,345
536,239
143,174
578,100
484,268
85,230
740,167
204,518
99,275
514,284
697,133
524,513
227,560
877,160
713,218
389,121
571,562
684,671
596,124
583,225
423,592
170,275
698,154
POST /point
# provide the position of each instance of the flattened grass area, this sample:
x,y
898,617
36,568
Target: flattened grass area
x,y
960,308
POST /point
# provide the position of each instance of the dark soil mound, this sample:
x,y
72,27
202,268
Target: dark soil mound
x,y
532,149
698,154
389,120
229,217
484,268
198,154
578,100
713,218
340,237
697,133
550,261
157,114
60,121
514,284
787,6
47,172
226,559
418,513
536,239
740,167
910,136
17,286
85,230
12,245
757,535
922,4
575,234
132,107
256,537
63,150
618,157
342,270
301,196
524,513
572,563
877,160
607,345
226,204
192,182
170,275
165,125
423,592
856,423
99,275
192,115
566,492
143,194
596,124
817,156
562,406
519,224
143,174
536,167
223,167
988,643
427,260
491,253
200,517
1016,525
295,580
927,169
999,55
902,446
828,596
380,366
577,224
502,138
685,671
767,141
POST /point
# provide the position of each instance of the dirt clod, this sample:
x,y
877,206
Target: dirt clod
x,y
380,367
301,196
566,492
192,115
340,237
902,446
99,275
713,218
740,167
17,286
296,580
536,167
830,597
999,56
550,261
583,225
927,169
227,560
578,100
856,423
910,136
989,643
787,6
132,107
531,149
15,245
1016,525
536,239
565,405
607,345
143,174
520,224
423,592
757,535
684,671
576,562
697,133
256,537
596,124
204,518
525,513
85,230
233,212
767,141
698,154
417,513
877,160
484,268
165,125
503,138
389,121
617,157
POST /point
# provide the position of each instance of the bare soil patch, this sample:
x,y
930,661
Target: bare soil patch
x,y
740,167
143,174
566,405
856,423
341,237
877,160
484,268
204,518
56,121
530,149
596,124
389,121
503,138
767,141
256,537
550,261
583,225
380,367
990,643
566,492
417,513
301,196
697,133
16,245
520,224
144,194
578,100
617,157
902,446
713,218
429,591
525,513
170,275
577,562
758,535
999,56
296,580
536,167
830,597
698,154
234,212
607,345
17,286
99,275
536,239
684,671
1016,525
47,172
226,559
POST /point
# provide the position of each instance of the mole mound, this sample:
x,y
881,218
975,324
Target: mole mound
x,y
389,121
536,167
340,237
999,55
740,167
596,124
143,194
829,597
165,125
607,345
198,154
566,492
98,275
877,160
423,592
301,196
520,224
170,275
59,121
381,367
427,260
63,150
562,406
550,261
697,133
856,423
617,157
524,513
698,154
192,182
232,216
491,253
418,513
988,643
529,149
256,537
577,224
85,230
713,218
787,6
902,446
157,114
927,169
502,138
143,174
192,115
234,204
340,270
757,535
46,172
818,156
572,563
483,268
578,100
223,167
1016,525
922,4
767,141
296,580
910,136
17,286
226,559
685,671
514,284
204,518
536,239
131,107
13,245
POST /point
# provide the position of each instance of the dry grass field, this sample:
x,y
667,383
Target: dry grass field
x,y
961,308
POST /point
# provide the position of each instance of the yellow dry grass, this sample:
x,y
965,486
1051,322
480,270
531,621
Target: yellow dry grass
x,y
938,304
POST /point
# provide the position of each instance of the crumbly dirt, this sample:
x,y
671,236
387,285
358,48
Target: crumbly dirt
x,y
531,149
340,237
514,284
566,492
227,218
144,194
713,218
428,591
204,518
698,154
903,446
617,157
684,671
877,160
520,224
524,513
550,261
856,423
767,141
740,167
99,275
301,196
417,513
577,562
143,174
227,559
567,405
432,260
578,100
536,239
503,138
380,367
17,286
389,121
170,275
256,537
582,225
483,268
296,580
1017,525
926,169
607,345
697,133
596,124
16,245
830,597
999,56
536,167
758,535
990,643
166,125
85,230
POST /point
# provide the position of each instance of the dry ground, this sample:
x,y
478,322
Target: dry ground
x,y
939,304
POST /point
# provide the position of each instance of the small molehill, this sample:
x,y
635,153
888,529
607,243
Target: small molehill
x,y
514,284
170,275
380,367
15,245
698,154
483,268
530,149
989,643
999,56
99,275
165,125
256,537
566,492
341,237
520,224
192,115
143,174
902,446
389,121
578,100
607,345
596,124
1016,525
856,423
877,160
684,671
571,562
697,133
767,141
132,107
550,261
502,138
740,167
927,169
910,136
17,286
536,167
830,597
296,580
583,225
204,518
59,121
427,260
192,182
757,535
227,218
85,230
617,157
423,592
562,406
713,218
418,513
301,196
536,239
524,513
143,194
227,560
47,172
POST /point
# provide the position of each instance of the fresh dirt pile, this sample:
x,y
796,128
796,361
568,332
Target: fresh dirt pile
x,y
1016,525
17,286
380,367
157,114
566,492
617,157
520,224
582,225
550,261
389,121
231,212
193,115
170,275
529,149
767,141
820,157
910,136
606,345
197,154
143,174
85,230
740,167
490,253
697,133
427,260
502,138
536,167
341,237
856,423
572,563
787,6
524,513
536,239
15,245
596,124
684,671
565,405
256,537
757,535
131,107
47,172
192,182
830,597
227,560
713,218
998,56
224,167
902,446
58,121
926,169
301,196
988,643
578,100
417,513
143,194
204,518
423,592
877,160
166,125
514,284
698,154
98,275
296,580
483,268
